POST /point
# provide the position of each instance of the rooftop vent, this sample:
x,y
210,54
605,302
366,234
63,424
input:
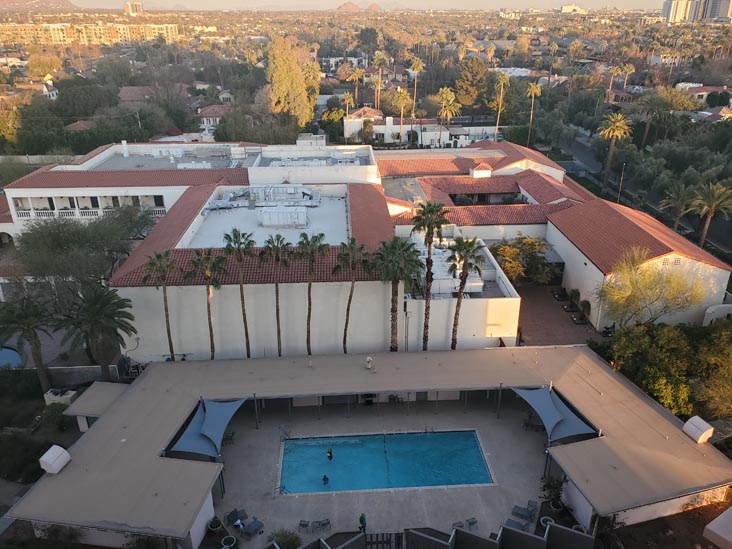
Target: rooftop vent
x,y
698,430
54,460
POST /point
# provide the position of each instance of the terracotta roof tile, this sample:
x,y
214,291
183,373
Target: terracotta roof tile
x,y
215,111
370,221
425,166
514,153
91,154
545,189
603,232
496,214
465,184
48,179
5,216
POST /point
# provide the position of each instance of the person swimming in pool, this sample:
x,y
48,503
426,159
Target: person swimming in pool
x,y
325,479
330,454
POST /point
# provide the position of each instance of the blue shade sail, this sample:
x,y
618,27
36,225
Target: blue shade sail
x,y
559,421
206,429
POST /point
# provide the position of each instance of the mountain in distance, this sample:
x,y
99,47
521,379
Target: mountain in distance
x,y
348,6
374,7
38,5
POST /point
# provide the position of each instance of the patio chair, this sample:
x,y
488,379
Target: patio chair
x,y
325,523
471,522
523,512
256,527
232,516
304,525
228,438
579,320
458,524
516,525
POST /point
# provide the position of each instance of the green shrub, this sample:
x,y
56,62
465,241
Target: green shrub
x,y
53,416
19,456
286,539
20,384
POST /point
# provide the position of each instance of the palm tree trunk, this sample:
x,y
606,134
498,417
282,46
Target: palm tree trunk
x,y
531,122
394,345
41,369
244,318
427,297
356,100
401,125
167,322
348,315
610,153
610,89
456,320
102,358
210,321
277,316
310,313
646,131
677,220
707,222
414,98
498,114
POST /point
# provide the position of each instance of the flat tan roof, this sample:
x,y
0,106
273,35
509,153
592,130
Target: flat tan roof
x,y
96,399
117,479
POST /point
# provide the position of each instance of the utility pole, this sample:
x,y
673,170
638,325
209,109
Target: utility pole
x,y
620,188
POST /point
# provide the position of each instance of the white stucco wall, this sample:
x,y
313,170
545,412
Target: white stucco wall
x,y
499,232
672,506
200,524
582,510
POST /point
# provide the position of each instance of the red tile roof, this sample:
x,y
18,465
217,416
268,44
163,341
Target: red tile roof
x,y
5,216
398,202
496,214
164,235
216,111
425,166
48,179
604,231
465,184
370,221
545,189
91,154
514,153
434,194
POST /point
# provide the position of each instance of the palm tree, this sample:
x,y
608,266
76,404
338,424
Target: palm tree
x,y
396,261
711,199
653,108
27,318
208,266
380,61
502,82
429,219
356,76
490,51
310,248
351,257
462,52
98,317
348,101
240,246
417,66
614,127
466,258
277,249
628,69
402,101
449,106
553,47
679,200
613,72
158,269
533,91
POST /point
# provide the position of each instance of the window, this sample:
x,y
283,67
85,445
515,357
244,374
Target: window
x,y
158,198
115,201
94,201
72,205
665,262
51,205
136,201
677,261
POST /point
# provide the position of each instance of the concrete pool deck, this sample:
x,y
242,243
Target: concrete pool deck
x,y
515,458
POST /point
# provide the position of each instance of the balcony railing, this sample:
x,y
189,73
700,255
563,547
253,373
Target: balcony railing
x,y
83,213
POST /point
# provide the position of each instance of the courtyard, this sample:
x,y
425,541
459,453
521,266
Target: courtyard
x,y
515,459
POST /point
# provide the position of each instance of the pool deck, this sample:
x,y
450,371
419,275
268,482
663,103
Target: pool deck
x,y
515,458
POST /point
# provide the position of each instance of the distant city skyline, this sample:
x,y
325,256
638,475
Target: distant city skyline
x,y
264,5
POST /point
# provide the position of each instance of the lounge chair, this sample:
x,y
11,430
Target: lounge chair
x,y
228,438
523,512
471,522
571,308
325,523
237,514
256,527
579,320
304,525
560,294
458,524
516,525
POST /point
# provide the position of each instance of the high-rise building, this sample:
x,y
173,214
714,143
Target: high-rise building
x,y
718,9
676,11
133,9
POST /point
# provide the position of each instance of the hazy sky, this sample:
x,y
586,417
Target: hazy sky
x,y
386,4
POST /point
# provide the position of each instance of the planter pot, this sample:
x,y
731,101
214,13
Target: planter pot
x,y
228,542
215,528
556,506
579,528
546,521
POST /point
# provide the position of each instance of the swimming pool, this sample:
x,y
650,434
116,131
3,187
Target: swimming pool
x,y
10,358
372,462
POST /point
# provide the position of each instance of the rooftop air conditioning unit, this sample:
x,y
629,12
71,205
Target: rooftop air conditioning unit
x,y
698,430
54,460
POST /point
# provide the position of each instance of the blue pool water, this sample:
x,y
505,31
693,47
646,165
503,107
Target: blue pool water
x,y
9,358
369,462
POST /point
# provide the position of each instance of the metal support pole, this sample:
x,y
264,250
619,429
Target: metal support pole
x,y
378,401
348,406
465,408
289,407
319,406
256,412
437,401
498,407
407,403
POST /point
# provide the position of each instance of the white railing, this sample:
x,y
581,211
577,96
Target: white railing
x,y
107,211
157,212
85,214
23,214
88,213
67,213
45,213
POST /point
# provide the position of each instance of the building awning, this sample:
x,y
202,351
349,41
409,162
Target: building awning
x,y
559,421
206,429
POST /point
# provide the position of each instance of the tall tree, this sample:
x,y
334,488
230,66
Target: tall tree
x,y
311,248
402,101
417,66
449,107
209,267
158,269
628,69
711,199
613,72
27,318
679,200
640,291
277,250
430,218
533,91
98,317
356,77
288,91
502,82
397,261
614,127
352,257
240,247
470,86
466,258
380,62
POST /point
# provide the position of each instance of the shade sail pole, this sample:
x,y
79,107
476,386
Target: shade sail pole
x,y
256,412
498,406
